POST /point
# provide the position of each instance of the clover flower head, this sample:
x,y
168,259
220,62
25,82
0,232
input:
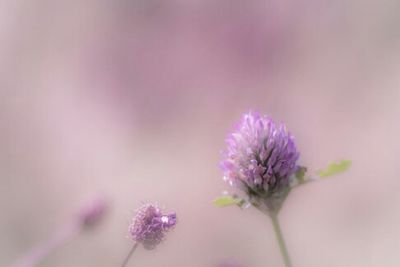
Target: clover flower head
x,y
149,225
261,156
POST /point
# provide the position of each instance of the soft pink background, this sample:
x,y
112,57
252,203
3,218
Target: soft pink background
x,y
132,100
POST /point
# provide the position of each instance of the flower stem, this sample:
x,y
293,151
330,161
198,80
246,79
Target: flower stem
x,y
129,254
41,251
281,241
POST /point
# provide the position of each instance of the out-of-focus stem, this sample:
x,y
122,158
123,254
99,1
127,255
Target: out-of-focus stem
x,y
41,251
281,241
88,217
129,254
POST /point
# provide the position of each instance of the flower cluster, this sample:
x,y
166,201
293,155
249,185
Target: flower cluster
x,y
150,225
261,157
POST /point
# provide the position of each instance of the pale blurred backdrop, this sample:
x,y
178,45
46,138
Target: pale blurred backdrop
x,y
132,100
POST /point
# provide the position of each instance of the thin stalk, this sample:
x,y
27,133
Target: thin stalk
x,y
87,218
281,241
41,251
129,254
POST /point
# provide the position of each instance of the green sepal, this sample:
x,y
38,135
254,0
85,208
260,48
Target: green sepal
x,y
300,175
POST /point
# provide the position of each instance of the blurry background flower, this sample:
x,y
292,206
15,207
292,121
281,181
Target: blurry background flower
x,y
120,96
92,214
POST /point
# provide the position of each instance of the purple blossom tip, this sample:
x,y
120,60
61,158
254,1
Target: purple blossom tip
x,y
150,225
93,213
260,157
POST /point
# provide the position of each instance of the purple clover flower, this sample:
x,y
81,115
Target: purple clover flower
x,y
260,158
150,225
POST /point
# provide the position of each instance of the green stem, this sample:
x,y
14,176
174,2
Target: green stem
x,y
129,254
281,241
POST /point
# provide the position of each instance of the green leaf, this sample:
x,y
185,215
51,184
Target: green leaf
x,y
224,201
335,168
